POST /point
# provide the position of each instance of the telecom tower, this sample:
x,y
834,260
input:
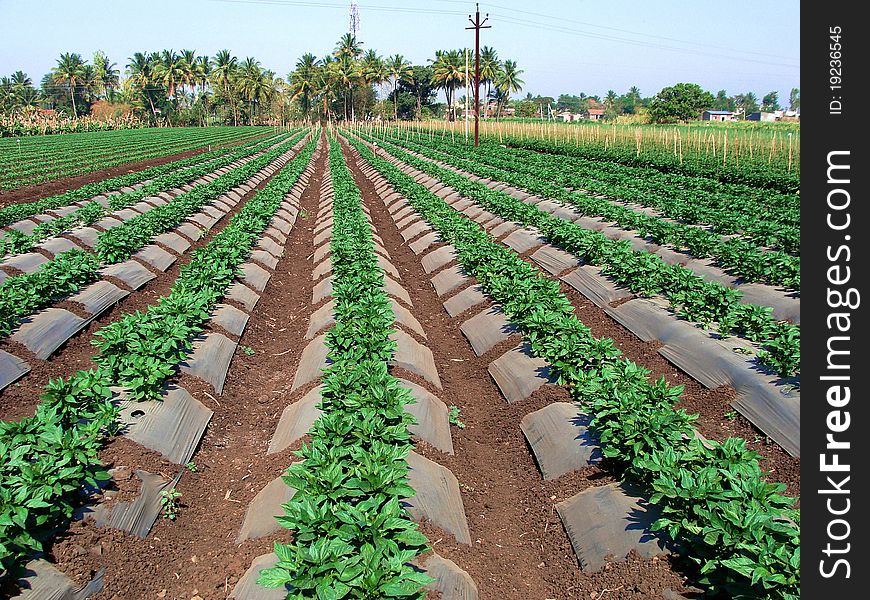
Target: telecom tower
x,y
354,19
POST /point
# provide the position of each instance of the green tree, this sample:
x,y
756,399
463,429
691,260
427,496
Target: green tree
x,y
223,71
567,102
419,85
680,102
724,102
747,103
106,73
508,83
770,102
794,99
398,70
68,72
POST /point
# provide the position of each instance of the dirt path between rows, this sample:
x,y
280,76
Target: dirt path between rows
x,y
20,399
59,186
196,555
520,548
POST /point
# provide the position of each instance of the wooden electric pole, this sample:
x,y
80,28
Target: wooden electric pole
x,y
477,25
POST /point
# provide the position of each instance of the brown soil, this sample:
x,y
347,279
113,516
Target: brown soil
x,y
519,549
196,554
716,419
59,186
20,399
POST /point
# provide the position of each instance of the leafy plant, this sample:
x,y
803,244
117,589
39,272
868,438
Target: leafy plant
x,y
453,417
170,505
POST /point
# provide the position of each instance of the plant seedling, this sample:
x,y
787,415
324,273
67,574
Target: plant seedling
x,y
191,466
453,417
169,502
247,350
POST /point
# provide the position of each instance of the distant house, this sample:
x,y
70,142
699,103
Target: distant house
x,y
594,114
568,116
761,116
718,115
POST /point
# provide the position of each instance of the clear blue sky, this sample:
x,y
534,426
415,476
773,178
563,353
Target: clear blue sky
x,y
563,47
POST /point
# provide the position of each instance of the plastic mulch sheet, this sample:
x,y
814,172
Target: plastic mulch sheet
x,y
448,279
412,356
518,374
487,329
589,281
438,258
99,296
437,497
608,522
210,359
559,439
243,295
12,368
314,358
432,424
470,296
172,426
260,515
48,330
132,273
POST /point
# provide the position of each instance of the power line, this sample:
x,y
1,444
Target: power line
x,y
593,35
542,26
629,31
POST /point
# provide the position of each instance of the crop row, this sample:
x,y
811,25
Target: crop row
x,y
17,241
117,244
48,460
754,175
740,257
22,210
351,536
767,218
642,272
85,155
740,532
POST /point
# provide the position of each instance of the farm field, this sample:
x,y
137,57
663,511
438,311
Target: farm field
x,y
375,362
35,160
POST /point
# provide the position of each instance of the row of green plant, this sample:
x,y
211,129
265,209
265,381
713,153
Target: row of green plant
x,y
737,255
18,241
120,242
80,156
351,536
762,175
22,210
767,218
643,273
740,533
48,462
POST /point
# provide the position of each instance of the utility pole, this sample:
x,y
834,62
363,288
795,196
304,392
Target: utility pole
x,y
477,25
466,97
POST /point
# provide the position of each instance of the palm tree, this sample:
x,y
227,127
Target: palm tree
x,y
170,71
140,74
373,70
188,68
490,68
68,72
345,73
398,69
251,83
509,81
449,72
347,50
107,74
347,46
224,67
304,82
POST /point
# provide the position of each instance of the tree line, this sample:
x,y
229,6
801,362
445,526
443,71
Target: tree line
x,y
185,88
